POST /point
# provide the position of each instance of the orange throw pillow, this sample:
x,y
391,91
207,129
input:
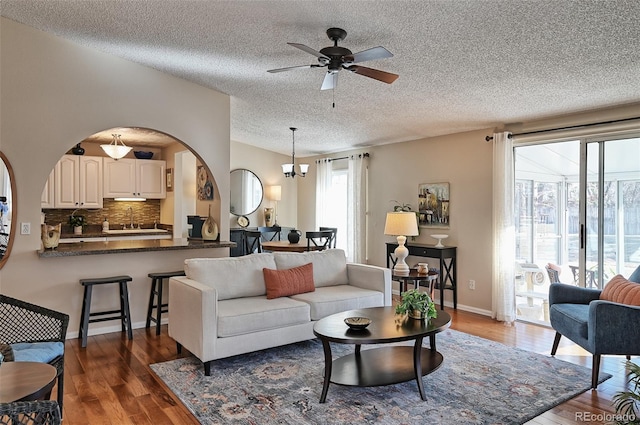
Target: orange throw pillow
x,y
620,290
282,283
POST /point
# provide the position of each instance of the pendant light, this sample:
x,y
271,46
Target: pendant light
x,y
289,169
116,149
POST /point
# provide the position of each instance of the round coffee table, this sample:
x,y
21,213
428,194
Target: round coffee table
x,y
24,381
384,365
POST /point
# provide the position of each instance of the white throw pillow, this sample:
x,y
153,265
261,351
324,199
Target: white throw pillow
x,y
329,266
233,277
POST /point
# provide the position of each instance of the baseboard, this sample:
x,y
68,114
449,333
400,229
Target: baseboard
x,y
115,328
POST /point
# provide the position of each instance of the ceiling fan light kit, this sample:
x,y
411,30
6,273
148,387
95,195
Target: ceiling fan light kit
x,y
335,58
289,169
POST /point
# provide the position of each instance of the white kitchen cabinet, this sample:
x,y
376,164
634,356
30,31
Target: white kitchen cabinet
x,y
48,196
78,182
138,178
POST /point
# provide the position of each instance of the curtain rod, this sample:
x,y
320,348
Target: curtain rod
x,y
365,155
571,127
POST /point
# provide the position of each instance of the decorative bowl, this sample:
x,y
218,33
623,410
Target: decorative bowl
x,y
357,322
439,238
143,154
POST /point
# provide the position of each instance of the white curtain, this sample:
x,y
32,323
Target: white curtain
x,y
323,188
504,242
357,207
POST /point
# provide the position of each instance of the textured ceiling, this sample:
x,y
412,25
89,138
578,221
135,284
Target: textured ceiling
x,y
463,65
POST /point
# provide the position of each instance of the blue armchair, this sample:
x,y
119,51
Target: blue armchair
x,y
600,327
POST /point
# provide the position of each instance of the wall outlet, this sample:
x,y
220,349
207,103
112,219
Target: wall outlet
x,y
472,285
25,228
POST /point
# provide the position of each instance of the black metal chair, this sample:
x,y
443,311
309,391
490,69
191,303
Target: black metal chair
x,y
252,241
42,412
26,322
332,242
319,239
270,233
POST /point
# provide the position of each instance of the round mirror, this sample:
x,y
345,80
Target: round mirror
x,y
7,208
246,192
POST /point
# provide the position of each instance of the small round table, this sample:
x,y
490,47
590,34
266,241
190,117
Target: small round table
x,y
385,365
25,381
416,278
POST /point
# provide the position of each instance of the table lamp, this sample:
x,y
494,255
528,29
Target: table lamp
x,y
275,195
401,224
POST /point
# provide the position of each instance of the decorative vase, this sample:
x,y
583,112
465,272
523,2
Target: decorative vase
x,y
50,235
77,230
210,228
78,150
269,217
294,236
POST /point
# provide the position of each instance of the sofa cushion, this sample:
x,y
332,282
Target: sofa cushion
x,y
253,314
635,276
620,290
282,283
571,320
233,277
335,299
42,352
329,266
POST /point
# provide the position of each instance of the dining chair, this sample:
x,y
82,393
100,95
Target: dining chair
x,y
332,242
270,233
319,239
35,330
252,241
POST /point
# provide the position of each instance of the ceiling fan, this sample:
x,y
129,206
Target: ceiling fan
x,y
336,58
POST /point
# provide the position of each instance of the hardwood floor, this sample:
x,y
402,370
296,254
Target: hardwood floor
x,y
110,381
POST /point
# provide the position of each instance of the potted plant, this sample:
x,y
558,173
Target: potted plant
x,y
77,223
417,305
627,403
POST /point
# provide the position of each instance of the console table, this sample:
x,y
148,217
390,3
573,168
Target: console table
x,y
447,257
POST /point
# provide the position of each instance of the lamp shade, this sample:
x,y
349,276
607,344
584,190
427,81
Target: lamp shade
x,y
401,223
275,193
117,149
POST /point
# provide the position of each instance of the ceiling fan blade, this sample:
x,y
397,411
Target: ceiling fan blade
x,y
330,81
370,54
376,74
307,49
289,68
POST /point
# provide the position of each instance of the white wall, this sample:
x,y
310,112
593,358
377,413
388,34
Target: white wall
x,y
396,170
53,95
267,166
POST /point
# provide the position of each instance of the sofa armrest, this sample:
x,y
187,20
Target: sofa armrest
x,y
193,316
371,277
613,328
560,293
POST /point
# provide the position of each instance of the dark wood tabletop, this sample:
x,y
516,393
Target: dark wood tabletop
x,y
24,381
288,246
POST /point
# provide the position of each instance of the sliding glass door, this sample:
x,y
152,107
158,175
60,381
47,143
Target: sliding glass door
x,y
577,209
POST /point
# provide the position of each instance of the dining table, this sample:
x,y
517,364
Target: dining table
x,y
286,246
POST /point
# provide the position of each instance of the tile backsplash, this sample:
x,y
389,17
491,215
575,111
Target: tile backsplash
x,y
117,213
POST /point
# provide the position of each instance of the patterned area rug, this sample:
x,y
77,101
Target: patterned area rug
x,y
479,382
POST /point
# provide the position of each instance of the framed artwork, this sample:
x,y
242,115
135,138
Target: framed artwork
x,y
434,205
169,179
204,184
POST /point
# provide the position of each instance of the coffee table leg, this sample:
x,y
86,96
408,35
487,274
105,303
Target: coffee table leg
x,y
417,366
328,362
432,342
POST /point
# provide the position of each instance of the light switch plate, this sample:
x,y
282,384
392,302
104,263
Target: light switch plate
x,y
25,228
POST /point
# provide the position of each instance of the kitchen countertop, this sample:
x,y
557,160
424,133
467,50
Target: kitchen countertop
x,y
127,246
98,233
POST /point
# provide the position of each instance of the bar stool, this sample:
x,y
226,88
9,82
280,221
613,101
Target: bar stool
x,y
122,314
155,297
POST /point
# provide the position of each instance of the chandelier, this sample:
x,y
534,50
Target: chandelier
x,y
116,149
289,169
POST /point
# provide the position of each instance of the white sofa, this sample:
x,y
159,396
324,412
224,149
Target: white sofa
x,y
220,308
